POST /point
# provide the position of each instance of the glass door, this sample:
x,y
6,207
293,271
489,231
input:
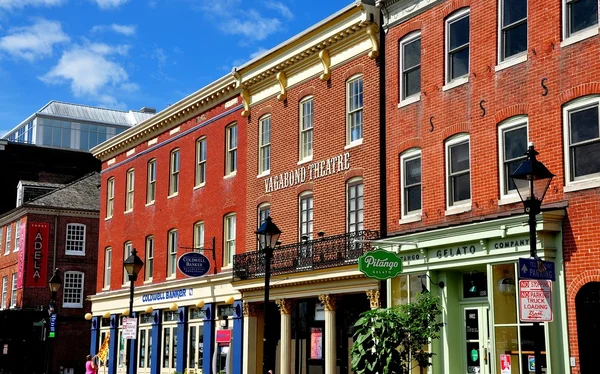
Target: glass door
x,y
144,344
195,341
169,343
476,337
121,352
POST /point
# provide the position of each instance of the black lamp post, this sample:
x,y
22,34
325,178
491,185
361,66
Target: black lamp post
x,y
532,179
133,264
54,284
267,235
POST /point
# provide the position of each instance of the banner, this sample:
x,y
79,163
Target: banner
x,y
103,352
37,254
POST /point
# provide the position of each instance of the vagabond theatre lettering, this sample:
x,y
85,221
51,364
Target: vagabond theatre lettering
x,y
312,171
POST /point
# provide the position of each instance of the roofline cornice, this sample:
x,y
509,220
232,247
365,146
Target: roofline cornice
x,y
24,210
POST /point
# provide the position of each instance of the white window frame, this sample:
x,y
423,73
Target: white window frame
x,y
359,225
4,292
264,146
456,16
66,288
521,56
127,250
174,167
405,100
584,182
199,235
570,38
229,241
349,141
8,239
130,186
17,244
506,196
151,182
453,207
231,155
172,243
149,264
306,147
262,208
201,152
1,238
413,215
310,215
110,197
75,229
107,267
13,294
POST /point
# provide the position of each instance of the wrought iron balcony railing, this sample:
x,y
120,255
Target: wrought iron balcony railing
x,y
321,253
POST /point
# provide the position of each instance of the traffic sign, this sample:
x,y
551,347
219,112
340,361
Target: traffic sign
x,y
535,298
534,268
129,327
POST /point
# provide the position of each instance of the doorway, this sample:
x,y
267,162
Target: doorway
x,y
587,306
476,338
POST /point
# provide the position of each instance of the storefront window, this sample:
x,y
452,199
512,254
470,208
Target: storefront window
x,y
195,340
405,288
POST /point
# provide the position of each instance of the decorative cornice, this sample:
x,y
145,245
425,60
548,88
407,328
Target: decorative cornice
x,y
373,32
328,302
326,61
282,79
374,300
249,309
246,101
24,210
285,306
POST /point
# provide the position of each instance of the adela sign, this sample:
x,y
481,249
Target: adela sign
x,y
380,264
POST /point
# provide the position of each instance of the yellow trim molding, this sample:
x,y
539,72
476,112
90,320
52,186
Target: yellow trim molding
x,y
373,31
246,101
326,61
282,79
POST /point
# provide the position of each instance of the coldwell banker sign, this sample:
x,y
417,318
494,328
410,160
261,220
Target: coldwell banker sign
x,y
193,264
380,264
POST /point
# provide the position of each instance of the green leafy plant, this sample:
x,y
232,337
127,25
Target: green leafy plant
x,y
389,341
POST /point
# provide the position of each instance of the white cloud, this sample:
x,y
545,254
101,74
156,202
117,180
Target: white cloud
x,y
127,30
280,7
18,4
109,4
35,41
258,52
251,25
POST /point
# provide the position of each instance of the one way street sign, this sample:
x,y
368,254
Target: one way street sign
x,y
532,268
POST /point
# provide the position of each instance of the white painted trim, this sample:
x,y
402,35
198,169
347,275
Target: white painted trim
x,y
349,81
263,174
511,61
509,199
410,219
355,143
507,62
300,123
305,160
455,83
582,185
411,37
508,124
457,15
580,36
457,208
409,100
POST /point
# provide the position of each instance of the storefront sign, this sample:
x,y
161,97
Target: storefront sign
x,y
193,264
37,255
535,300
511,243
380,264
178,294
455,252
129,327
223,336
309,172
505,364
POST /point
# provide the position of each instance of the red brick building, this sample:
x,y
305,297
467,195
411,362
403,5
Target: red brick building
x,y
468,85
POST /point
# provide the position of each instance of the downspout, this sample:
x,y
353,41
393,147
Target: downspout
x,y
55,241
382,137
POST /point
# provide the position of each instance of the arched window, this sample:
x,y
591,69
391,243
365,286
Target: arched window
x,y
354,205
458,173
512,145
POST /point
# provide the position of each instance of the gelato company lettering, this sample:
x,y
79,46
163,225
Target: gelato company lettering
x,y
179,294
380,264
459,251
312,171
511,243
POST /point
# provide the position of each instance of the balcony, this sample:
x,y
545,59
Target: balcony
x,y
322,253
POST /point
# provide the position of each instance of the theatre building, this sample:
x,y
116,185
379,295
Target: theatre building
x,y
468,85
311,108
171,185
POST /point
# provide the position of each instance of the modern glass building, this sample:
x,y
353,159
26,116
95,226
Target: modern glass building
x,y
74,126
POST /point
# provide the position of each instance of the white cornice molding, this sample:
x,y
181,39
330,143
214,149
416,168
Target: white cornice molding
x,y
49,211
398,11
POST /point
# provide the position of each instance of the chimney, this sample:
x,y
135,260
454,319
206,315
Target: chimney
x,y
148,109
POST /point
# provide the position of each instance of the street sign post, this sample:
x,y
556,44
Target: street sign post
x,y
532,268
129,327
535,298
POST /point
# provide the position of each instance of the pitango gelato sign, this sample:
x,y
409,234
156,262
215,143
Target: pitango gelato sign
x,y
380,264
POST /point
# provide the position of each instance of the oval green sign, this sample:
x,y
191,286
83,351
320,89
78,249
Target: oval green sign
x,y
380,264
474,355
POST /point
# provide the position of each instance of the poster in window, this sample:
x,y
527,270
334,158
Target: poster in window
x,y
505,364
316,343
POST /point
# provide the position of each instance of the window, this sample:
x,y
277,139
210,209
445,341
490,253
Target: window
x,y
306,128
13,296
127,249
1,241
513,28
231,133
306,216
8,239
354,104
174,173
200,162
264,146
17,236
457,45
512,136
410,66
107,266
582,139
73,290
199,234
406,288
172,253
151,183
355,205
129,192
410,174
110,197
264,210
75,244
579,15
458,171
229,249
4,292
149,265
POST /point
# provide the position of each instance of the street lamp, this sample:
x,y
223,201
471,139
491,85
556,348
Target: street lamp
x,y
532,179
267,235
54,284
133,264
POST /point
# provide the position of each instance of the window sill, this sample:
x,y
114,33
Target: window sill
x,y
455,83
305,160
511,61
581,35
227,269
582,185
199,186
149,281
173,195
128,211
509,199
410,218
75,254
6,253
458,209
355,143
106,288
263,174
171,277
150,203
230,175
409,100
108,218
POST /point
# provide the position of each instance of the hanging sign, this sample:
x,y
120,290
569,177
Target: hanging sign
x,y
129,327
535,300
37,254
193,264
380,264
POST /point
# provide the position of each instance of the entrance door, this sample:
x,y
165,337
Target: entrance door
x,y
587,304
144,349
476,337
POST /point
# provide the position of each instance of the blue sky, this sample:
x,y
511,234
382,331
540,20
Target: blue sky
x,y
126,54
